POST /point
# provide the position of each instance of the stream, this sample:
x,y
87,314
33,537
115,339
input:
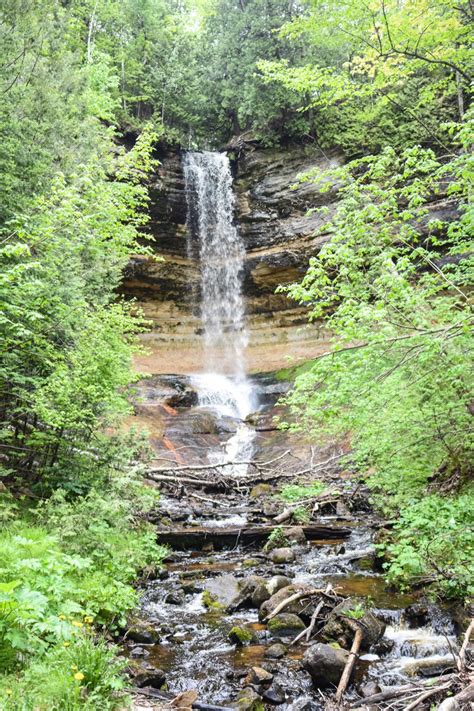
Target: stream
x,y
200,624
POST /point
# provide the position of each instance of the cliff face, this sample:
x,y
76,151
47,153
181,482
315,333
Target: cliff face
x,y
272,220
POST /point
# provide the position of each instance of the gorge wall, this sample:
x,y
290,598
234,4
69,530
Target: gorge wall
x,y
278,238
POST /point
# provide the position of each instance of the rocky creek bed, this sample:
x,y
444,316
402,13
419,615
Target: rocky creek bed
x,y
215,628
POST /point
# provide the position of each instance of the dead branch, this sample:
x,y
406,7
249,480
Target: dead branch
x,y
461,662
426,695
293,598
346,674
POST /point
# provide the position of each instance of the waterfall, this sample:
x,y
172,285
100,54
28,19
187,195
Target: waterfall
x,y
221,251
214,238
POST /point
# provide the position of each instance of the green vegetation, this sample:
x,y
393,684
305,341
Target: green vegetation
x,y
298,492
393,283
88,89
276,539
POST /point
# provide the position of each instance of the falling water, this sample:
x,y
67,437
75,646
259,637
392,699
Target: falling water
x,y
213,236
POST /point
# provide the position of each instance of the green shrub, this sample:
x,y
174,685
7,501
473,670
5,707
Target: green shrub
x,y
86,674
434,543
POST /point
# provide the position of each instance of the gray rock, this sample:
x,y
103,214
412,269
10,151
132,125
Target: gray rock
x,y
137,652
304,703
143,635
325,664
155,679
175,598
369,689
274,695
276,651
282,555
295,534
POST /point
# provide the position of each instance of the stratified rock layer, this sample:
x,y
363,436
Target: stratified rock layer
x,y
278,237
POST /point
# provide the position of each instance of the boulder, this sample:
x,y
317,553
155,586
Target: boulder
x,y
285,624
244,593
303,607
343,620
175,598
142,634
240,635
280,556
266,589
295,534
325,664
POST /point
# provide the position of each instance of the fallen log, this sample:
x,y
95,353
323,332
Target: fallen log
x,y
197,538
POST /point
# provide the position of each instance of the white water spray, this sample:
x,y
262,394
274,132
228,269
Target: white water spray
x,y
213,235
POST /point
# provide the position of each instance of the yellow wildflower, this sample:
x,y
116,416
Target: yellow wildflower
x,y
78,676
8,692
66,644
62,617
76,623
88,620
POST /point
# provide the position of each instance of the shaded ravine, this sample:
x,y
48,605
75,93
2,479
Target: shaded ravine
x,y
221,463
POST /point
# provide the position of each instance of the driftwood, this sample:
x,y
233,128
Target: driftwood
x,y
426,695
293,598
395,692
346,674
454,703
309,630
196,538
461,662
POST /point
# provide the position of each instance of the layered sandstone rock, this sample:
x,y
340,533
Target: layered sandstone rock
x,y
279,239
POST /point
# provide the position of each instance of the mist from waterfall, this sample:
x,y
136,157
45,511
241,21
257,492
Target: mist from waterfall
x,y
213,238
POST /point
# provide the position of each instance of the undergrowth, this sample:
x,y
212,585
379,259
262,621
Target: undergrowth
x,y
67,566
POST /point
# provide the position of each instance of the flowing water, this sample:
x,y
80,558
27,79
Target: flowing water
x,y
213,236
188,607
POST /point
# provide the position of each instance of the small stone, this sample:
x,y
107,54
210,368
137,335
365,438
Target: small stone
x,y
143,635
258,675
275,651
274,695
137,652
369,689
282,555
175,598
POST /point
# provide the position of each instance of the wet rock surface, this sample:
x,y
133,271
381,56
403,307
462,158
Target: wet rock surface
x,y
203,623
